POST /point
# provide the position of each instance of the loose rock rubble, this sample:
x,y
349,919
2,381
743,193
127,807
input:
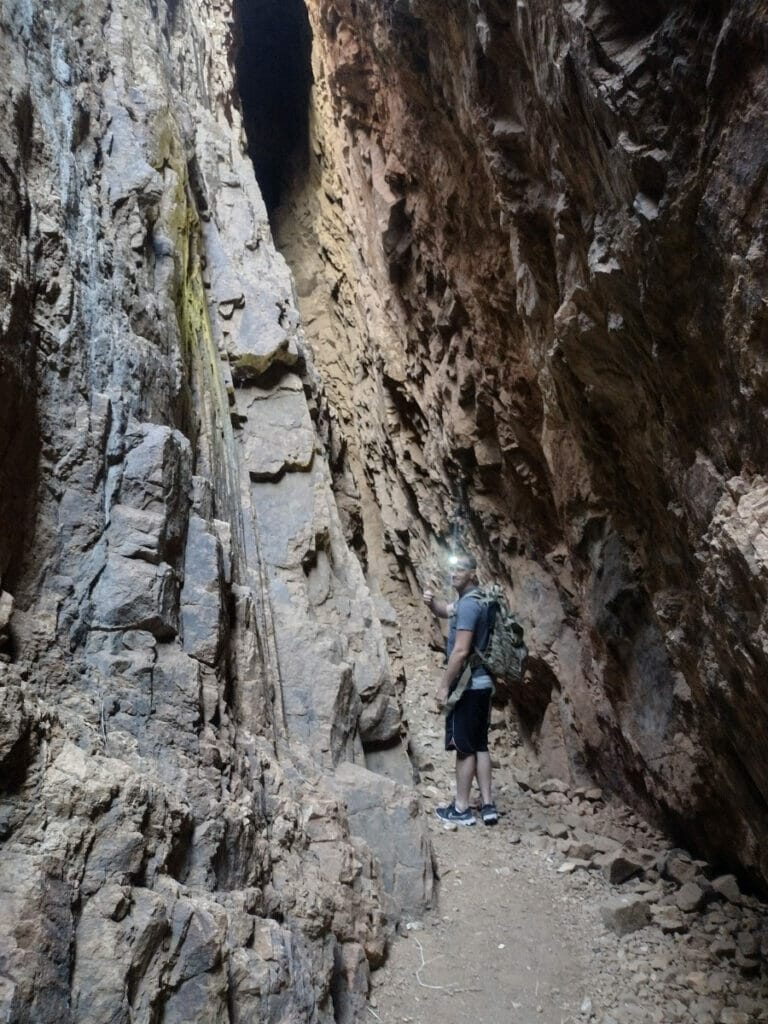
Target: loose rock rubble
x,y
644,932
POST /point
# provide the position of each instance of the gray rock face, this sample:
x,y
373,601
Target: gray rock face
x,y
186,641
387,816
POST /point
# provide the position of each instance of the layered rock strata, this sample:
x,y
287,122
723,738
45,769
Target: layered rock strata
x,y
188,648
530,254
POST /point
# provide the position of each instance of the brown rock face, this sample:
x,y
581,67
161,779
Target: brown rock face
x,y
530,254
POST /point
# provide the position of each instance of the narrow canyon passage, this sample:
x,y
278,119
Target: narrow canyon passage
x,y
345,220
298,298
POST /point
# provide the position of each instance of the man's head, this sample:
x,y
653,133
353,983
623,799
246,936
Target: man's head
x,y
463,560
463,571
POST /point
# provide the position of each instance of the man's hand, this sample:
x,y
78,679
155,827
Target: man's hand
x,y
441,697
428,598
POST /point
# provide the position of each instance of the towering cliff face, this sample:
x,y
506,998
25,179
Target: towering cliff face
x,y
188,648
529,248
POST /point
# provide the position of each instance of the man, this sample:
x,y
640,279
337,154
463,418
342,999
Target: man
x,y
466,725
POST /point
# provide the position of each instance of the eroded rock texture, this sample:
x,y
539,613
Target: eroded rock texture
x,y
188,647
530,255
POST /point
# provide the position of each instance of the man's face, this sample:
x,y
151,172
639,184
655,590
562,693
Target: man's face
x,y
461,574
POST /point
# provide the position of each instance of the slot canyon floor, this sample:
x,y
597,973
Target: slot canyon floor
x,y
517,936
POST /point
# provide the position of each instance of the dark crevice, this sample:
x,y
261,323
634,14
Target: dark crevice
x,y
274,78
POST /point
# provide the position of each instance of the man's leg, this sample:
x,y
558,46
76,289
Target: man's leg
x,y
484,775
466,766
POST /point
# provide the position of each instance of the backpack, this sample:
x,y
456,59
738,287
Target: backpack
x,y
506,652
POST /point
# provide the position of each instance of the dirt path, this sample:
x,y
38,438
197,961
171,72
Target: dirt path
x,y
516,937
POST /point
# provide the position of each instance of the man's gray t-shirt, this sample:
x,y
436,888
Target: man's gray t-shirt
x,y
471,613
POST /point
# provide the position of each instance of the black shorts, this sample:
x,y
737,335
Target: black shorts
x,y
466,726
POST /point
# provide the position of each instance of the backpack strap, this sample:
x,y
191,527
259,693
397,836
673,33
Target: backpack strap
x,y
457,692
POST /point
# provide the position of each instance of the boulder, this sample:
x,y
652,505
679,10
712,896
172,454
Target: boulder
x,y
679,870
389,818
625,914
619,865
689,897
727,887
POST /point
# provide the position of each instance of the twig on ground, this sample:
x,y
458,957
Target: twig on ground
x,y
438,988
374,1014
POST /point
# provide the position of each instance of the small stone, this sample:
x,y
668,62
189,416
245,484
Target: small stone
x,y
749,1005
553,786
554,799
679,870
625,914
654,894
748,943
669,919
581,851
723,947
604,844
698,982
6,610
619,833
727,887
513,838
704,1011
643,887
689,897
619,865
731,1016
538,842
594,794
716,982
569,866
746,964
557,830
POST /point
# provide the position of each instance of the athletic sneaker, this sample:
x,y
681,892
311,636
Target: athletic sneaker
x,y
489,814
451,816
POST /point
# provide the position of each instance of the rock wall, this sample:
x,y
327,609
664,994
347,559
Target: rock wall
x,y
530,255
188,648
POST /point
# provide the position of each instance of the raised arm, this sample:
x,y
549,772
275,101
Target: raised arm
x,y
442,609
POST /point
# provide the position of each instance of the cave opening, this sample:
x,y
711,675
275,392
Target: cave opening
x,y
273,71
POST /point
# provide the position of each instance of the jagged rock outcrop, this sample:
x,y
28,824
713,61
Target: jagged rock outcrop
x,y
530,253
187,645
